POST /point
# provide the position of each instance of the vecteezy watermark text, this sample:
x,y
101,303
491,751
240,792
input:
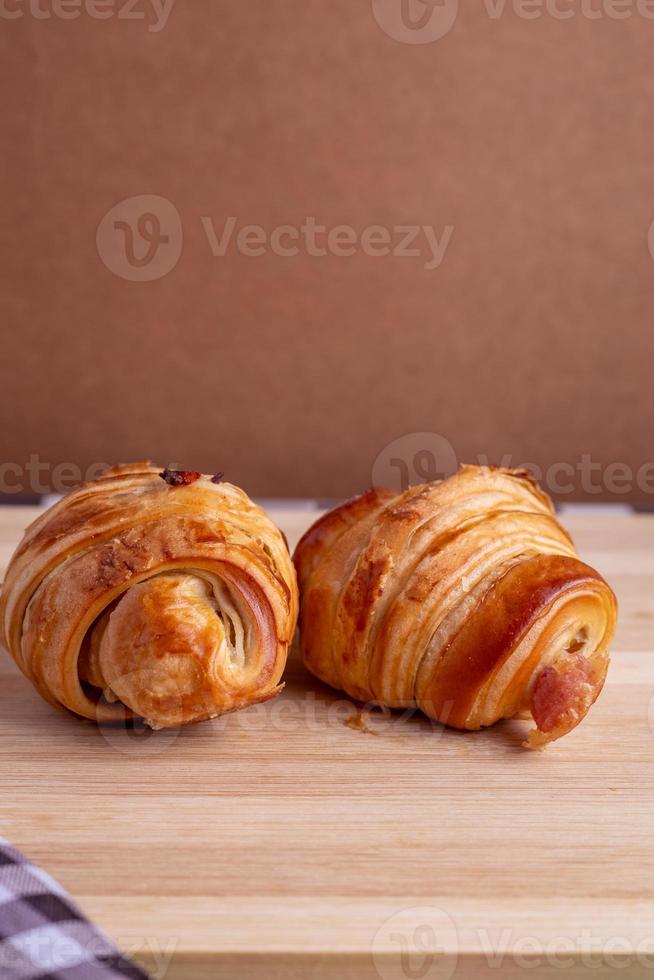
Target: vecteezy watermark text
x,y
423,941
317,240
154,13
281,716
36,477
69,949
422,457
140,239
425,21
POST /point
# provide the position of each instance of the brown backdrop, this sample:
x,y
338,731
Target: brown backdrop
x,y
533,138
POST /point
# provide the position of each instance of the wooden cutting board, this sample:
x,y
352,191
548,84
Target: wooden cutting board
x,y
298,839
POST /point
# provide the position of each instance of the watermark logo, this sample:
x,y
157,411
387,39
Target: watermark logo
x,y
425,21
140,239
286,716
422,457
419,943
129,735
416,21
417,457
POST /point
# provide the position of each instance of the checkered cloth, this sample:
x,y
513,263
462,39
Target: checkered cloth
x,y
43,936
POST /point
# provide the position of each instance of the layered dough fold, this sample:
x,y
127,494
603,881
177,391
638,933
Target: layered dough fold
x,y
172,600
464,598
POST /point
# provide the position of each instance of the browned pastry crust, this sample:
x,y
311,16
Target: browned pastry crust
x,y
465,598
173,600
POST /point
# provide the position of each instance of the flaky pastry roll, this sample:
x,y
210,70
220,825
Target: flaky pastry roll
x,y
166,596
464,598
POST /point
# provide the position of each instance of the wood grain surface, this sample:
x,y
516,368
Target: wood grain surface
x,y
300,839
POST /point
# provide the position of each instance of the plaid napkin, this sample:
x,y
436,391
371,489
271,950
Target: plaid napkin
x,y
43,936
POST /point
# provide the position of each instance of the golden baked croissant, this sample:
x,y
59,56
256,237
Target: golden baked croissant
x,y
174,598
465,598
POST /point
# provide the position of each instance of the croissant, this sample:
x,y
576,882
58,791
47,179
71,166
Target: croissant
x,y
171,600
464,598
